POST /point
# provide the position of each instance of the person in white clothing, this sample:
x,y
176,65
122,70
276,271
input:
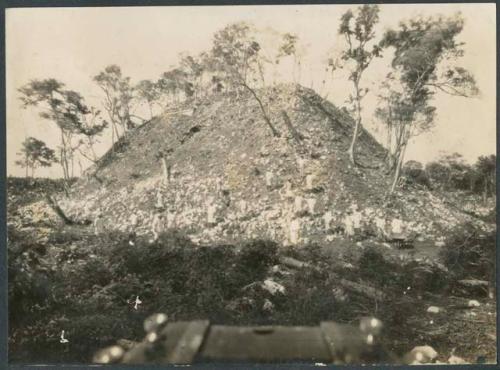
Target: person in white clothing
x,y
157,225
98,224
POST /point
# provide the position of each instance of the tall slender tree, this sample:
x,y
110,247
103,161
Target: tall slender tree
x,y
118,99
64,108
425,50
359,34
234,58
289,48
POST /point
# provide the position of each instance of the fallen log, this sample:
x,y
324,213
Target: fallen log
x,y
295,134
363,289
55,207
473,283
360,288
294,263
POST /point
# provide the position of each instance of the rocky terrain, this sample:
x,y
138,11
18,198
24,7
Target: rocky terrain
x,y
227,178
258,230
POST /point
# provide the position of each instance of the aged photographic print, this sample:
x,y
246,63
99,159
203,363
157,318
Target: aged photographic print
x,y
308,184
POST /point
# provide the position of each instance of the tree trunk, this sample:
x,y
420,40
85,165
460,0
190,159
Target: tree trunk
x,y
299,65
166,176
63,155
353,142
398,168
485,196
295,134
357,127
51,202
264,114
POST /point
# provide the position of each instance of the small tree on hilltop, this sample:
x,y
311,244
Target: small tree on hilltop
x,y
359,33
118,99
147,91
35,153
174,84
194,69
422,48
289,48
235,60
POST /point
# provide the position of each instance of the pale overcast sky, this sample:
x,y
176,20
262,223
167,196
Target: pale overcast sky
x,y
74,44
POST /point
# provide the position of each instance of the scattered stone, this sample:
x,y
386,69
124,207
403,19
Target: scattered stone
x,y
397,226
472,283
473,303
294,231
268,306
455,360
339,294
433,309
421,355
273,287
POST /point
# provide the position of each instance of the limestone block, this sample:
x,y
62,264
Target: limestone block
x,y
211,213
310,182
159,200
312,205
380,225
171,220
397,226
327,218
357,219
272,214
242,208
269,178
301,163
349,225
294,231
287,191
299,205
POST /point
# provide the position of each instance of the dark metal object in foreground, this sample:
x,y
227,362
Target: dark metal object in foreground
x,y
198,342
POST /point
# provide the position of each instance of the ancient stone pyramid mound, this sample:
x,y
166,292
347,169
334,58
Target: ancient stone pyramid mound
x,y
226,177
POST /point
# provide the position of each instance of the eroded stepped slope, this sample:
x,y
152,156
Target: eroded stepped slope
x,y
231,179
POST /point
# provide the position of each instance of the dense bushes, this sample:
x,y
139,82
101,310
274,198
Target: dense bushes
x,y
92,289
92,292
470,254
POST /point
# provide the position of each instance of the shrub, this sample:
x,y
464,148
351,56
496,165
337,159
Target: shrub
x,y
256,256
470,253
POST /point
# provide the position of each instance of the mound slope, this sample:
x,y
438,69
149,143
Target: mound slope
x,y
226,177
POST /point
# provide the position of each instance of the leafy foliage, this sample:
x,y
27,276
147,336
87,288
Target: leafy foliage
x,y
359,32
68,110
35,153
422,48
118,97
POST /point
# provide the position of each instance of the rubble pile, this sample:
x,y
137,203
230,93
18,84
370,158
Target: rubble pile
x,y
224,176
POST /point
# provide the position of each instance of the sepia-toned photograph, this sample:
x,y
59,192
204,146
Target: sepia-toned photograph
x,y
284,184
